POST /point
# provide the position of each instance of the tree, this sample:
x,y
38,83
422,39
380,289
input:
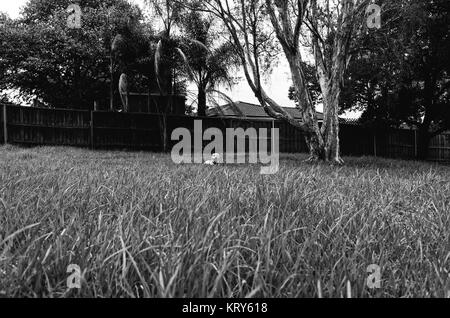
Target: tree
x,y
167,53
330,26
63,67
401,74
211,67
427,42
179,55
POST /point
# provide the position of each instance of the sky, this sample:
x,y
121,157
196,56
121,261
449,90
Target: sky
x,y
12,7
277,85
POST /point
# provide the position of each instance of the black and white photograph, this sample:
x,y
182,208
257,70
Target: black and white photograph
x,y
224,156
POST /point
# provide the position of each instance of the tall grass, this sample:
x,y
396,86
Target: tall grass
x,y
140,226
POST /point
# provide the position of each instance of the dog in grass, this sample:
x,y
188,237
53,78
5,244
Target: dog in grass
x,y
215,158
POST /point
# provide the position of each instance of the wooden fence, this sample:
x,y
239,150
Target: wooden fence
x,y
109,130
40,126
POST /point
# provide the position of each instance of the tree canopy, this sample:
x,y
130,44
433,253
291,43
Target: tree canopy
x,y
65,67
400,73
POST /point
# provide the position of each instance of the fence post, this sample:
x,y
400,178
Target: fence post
x,y
415,144
5,125
165,132
271,137
92,131
375,144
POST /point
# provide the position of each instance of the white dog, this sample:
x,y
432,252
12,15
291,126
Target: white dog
x,y
214,160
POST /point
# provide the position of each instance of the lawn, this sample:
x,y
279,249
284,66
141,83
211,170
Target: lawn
x,y
138,225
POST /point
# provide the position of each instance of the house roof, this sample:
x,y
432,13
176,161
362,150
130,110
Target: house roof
x,y
247,110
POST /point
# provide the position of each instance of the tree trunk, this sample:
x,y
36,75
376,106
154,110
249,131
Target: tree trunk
x,y
330,127
201,112
314,140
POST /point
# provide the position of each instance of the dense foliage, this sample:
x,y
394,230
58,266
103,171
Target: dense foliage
x,y
68,68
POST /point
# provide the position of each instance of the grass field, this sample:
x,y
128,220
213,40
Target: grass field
x,y
138,225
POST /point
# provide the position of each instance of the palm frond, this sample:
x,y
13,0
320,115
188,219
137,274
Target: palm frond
x,y
223,95
200,44
186,62
158,55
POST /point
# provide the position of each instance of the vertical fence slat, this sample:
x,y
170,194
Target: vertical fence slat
x,y
5,125
92,145
375,144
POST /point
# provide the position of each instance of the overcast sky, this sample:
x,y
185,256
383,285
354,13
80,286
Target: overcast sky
x,y
12,7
